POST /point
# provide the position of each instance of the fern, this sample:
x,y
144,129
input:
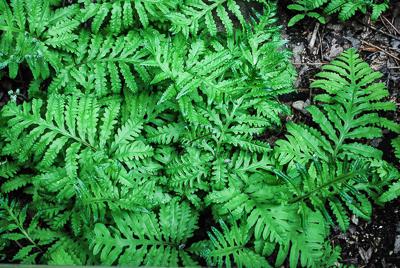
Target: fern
x,y
144,238
228,245
102,65
63,128
346,9
35,34
394,189
396,146
308,9
149,121
328,165
350,103
123,14
87,144
30,238
211,17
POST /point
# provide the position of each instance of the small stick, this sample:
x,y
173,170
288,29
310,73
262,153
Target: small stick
x,y
388,21
314,36
309,63
381,49
380,31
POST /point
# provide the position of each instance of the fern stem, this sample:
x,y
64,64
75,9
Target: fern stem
x,y
10,29
209,8
21,227
349,110
67,134
327,184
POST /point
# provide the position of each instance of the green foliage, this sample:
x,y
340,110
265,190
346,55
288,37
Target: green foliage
x,y
30,237
349,114
345,9
394,190
229,245
332,165
146,239
148,123
34,33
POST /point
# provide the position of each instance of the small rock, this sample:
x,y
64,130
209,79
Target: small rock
x,y
365,255
300,105
354,219
397,244
352,230
354,41
297,51
335,51
375,142
395,44
335,27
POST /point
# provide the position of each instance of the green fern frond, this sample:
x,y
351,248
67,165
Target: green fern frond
x,y
8,169
227,246
14,227
144,238
396,146
349,113
346,9
197,16
188,170
117,16
62,129
33,33
103,65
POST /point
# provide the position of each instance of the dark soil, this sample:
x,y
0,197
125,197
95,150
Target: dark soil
x,y
366,244
372,244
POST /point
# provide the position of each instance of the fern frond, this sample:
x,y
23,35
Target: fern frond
x,y
14,227
228,245
346,9
103,65
117,16
396,146
188,170
198,16
33,33
350,104
144,238
62,128
8,169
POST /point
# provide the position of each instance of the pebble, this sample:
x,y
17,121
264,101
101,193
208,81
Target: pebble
x,y
397,244
300,105
335,51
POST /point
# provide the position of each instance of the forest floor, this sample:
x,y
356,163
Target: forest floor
x,y
366,244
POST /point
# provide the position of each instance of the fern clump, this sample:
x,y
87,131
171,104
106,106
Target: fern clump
x,y
33,32
144,138
345,9
333,160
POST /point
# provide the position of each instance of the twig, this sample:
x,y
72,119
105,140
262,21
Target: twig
x,y
380,31
381,49
391,24
309,63
314,36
